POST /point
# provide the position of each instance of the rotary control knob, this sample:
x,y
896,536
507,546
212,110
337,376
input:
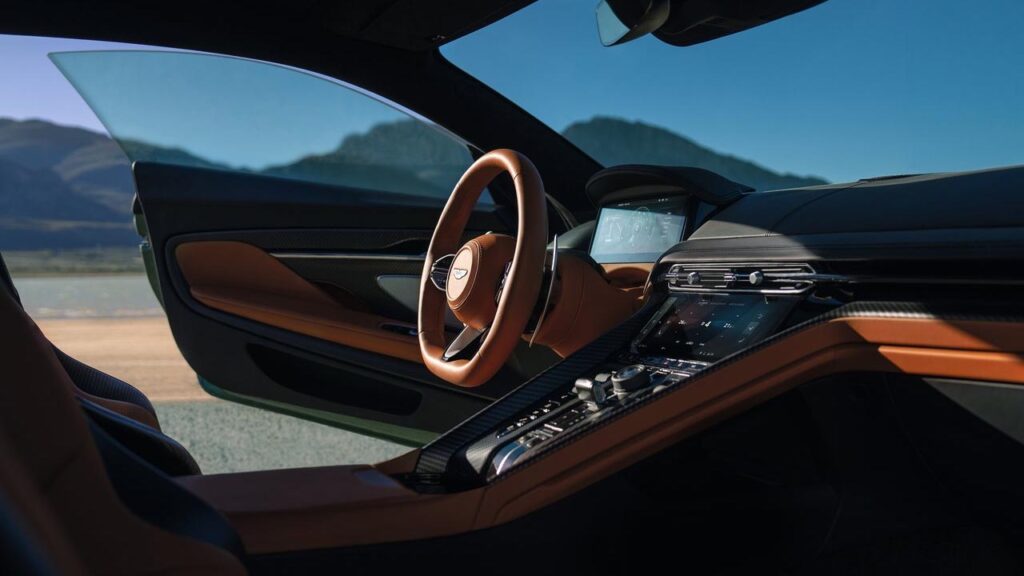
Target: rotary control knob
x,y
756,278
630,379
693,278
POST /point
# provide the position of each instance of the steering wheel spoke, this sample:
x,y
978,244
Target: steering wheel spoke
x,y
439,271
466,338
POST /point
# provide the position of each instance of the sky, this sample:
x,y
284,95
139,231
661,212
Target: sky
x,y
32,87
848,89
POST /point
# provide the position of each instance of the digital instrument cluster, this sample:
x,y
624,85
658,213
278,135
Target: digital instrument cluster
x,y
638,231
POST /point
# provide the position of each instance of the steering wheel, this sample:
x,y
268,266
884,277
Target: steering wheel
x,y
491,283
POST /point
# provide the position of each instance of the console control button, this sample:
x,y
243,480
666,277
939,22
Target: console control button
x,y
630,379
592,393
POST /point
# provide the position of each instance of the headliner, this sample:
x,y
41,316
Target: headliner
x,y
416,25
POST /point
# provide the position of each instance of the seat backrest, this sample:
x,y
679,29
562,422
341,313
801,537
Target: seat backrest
x,y
31,539
50,439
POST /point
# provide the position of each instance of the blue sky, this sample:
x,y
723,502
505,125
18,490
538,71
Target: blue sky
x,y
33,88
849,89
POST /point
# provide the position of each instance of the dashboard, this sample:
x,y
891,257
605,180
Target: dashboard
x,y
753,270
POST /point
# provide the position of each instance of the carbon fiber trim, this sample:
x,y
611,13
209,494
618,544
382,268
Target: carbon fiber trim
x,y
912,310
435,457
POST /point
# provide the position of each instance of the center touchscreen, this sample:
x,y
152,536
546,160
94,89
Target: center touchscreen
x,y
708,327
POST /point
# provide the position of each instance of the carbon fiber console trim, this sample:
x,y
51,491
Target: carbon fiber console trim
x,y
436,456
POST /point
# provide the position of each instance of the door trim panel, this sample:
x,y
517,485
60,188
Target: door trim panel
x,y
413,371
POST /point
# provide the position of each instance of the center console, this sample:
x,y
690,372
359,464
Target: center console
x,y
692,326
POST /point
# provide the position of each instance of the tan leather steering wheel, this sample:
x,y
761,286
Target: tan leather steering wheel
x,y
491,283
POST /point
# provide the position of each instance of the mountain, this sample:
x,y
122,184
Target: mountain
x,y
62,187
66,187
613,141
430,164
90,163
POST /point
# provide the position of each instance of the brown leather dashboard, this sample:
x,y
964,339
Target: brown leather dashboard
x,y
283,510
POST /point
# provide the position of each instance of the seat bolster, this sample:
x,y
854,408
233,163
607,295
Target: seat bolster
x,y
151,445
108,391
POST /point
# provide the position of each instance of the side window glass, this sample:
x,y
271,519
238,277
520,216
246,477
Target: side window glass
x,y
236,114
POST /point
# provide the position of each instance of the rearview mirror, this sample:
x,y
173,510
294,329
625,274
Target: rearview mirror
x,y
619,21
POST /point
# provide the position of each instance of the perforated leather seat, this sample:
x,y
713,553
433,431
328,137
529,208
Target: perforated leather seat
x,y
116,513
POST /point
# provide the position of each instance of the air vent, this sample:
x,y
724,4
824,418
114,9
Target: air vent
x,y
764,277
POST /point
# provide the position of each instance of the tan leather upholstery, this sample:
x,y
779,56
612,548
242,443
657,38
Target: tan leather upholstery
x,y
471,298
243,280
48,437
629,275
522,287
583,307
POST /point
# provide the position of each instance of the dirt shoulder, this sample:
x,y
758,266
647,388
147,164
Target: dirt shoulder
x,y
140,351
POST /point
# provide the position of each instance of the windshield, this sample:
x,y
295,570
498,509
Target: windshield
x,y
846,90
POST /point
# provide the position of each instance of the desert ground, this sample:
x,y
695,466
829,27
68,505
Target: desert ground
x,y
139,351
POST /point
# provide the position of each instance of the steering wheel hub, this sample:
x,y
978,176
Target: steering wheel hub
x,y
475,277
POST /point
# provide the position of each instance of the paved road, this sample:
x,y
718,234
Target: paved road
x,y
228,437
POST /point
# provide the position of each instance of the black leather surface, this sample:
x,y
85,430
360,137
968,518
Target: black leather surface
x,y
699,183
978,214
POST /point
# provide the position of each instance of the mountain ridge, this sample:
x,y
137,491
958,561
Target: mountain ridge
x,y
70,187
612,141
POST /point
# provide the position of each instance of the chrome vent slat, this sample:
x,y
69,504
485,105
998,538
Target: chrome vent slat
x,y
745,277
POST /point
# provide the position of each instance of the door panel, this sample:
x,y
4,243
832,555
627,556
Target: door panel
x,y
282,294
243,280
